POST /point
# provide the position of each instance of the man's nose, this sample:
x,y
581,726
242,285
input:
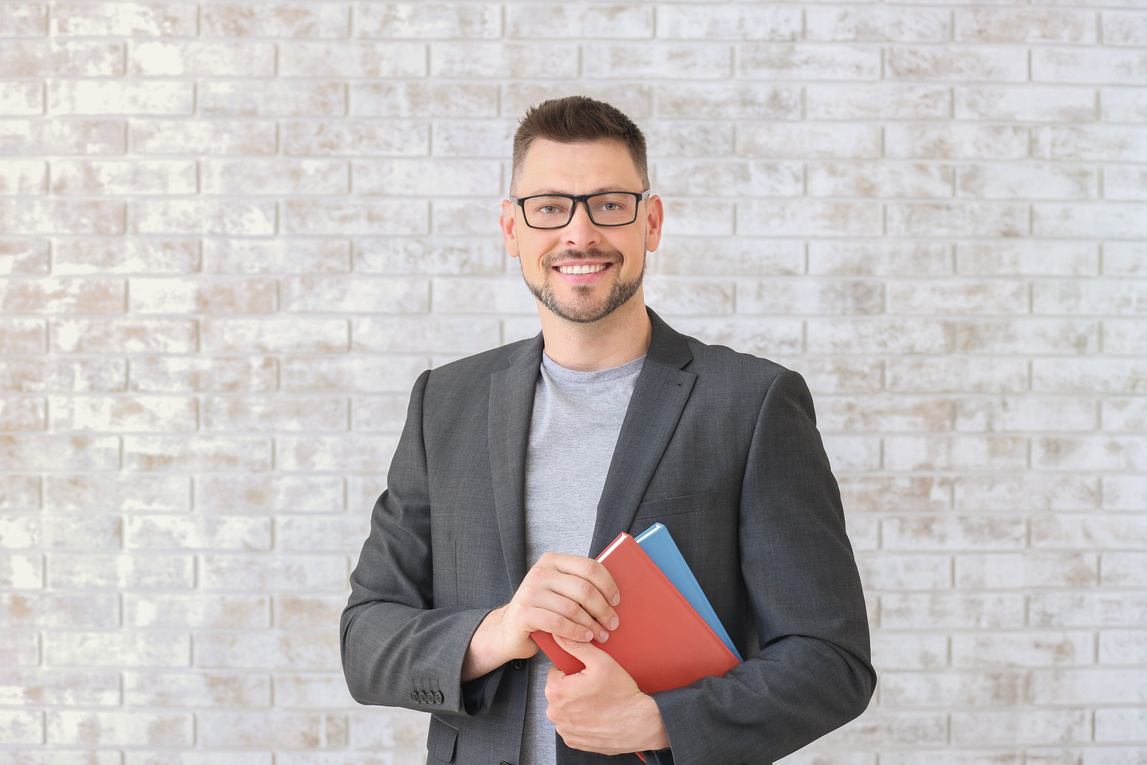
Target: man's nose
x,y
581,231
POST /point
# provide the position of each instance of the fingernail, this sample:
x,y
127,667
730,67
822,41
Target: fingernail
x,y
588,636
613,623
616,599
603,637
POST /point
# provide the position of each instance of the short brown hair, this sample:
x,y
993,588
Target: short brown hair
x,y
578,119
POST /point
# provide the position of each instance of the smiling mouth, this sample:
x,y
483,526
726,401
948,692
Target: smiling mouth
x,y
582,269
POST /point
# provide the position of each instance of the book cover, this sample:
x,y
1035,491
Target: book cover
x,y
661,640
659,545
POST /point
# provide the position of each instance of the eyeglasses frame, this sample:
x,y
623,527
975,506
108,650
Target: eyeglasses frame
x,y
575,199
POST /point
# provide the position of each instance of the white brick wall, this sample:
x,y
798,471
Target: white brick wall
x,y
233,233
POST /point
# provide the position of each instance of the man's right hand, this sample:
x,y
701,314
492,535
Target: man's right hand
x,y
566,595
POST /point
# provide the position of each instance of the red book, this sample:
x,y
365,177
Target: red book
x,y
661,641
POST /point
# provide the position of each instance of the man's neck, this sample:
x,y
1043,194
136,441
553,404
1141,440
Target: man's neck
x,y
619,338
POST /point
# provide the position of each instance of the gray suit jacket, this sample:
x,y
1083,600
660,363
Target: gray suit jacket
x,y
719,446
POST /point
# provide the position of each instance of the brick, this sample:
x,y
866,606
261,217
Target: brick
x,y
853,453
21,98
878,24
278,729
983,453
1037,492
1123,492
23,177
24,257
1026,103
123,336
956,296
306,612
1090,376
879,180
55,296
1027,570
19,492
202,59
50,452
23,335
21,571
166,532
905,572
236,494
203,137
1105,143
1027,336
113,97
56,688
428,20
1109,219
1105,532
1122,104
352,374
879,259
433,334
876,413
800,296
433,178
1085,65
359,217
1122,646
952,611
278,572
534,21
906,651
877,335
472,256
1124,569
192,216
263,414
1124,414
23,414
878,102
1125,183
956,375
748,335
1124,28
201,689
113,178
750,101
272,98
941,533
454,217
122,572
701,22
311,691
956,63
1087,609
635,99
472,138
197,453
125,256
883,727
701,218
378,414
1120,724
690,297
121,414
23,138
215,296
808,141
184,611
1023,25
1034,726
51,374
285,335
22,727
156,19
193,757
1030,181
896,493
1028,648
353,453
157,374
56,610
275,20
68,58
937,689
742,256
1113,297
23,19
1027,258
807,61
697,61
496,296
1014,413
334,534
956,141
59,216
19,649
278,256
423,99
133,728
809,218
501,60
958,219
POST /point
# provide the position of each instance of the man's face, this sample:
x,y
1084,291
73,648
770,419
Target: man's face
x,y
582,272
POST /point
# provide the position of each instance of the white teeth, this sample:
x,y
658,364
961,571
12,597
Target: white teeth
x,y
581,269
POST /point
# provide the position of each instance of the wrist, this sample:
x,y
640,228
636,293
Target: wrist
x,y
653,726
488,648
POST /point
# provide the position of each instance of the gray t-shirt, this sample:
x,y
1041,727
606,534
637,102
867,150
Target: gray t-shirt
x,y
576,420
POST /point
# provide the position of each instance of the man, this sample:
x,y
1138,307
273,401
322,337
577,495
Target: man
x,y
517,464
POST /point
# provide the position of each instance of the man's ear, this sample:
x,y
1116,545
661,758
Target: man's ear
x,y
509,226
654,218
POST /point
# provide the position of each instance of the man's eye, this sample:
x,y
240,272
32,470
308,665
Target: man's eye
x,y
547,210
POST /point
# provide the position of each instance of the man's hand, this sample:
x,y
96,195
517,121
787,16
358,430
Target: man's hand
x,y
566,595
601,709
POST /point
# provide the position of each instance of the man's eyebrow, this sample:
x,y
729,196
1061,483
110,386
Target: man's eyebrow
x,y
599,190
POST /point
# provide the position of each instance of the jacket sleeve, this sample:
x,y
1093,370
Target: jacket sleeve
x,y
812,672
398,649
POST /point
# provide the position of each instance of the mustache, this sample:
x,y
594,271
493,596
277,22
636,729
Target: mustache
x,y
593,253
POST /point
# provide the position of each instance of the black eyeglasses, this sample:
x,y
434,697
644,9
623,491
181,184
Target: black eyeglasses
x,y
608,208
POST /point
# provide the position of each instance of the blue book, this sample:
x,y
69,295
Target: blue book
x,y
659,545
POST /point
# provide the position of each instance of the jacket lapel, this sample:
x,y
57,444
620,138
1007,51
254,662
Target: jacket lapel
x,y
511,407
658,400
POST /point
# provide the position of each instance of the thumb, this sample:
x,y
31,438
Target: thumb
x,y
587,653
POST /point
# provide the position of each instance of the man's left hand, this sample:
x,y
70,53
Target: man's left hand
x,y
601,709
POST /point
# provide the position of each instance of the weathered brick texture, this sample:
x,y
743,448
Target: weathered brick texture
x,y
233,233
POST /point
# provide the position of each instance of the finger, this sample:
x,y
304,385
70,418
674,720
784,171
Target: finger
x,y
582,580
591,570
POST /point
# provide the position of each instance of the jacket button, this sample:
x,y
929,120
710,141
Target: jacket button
x,y
518,664
422,697
414,695
438,697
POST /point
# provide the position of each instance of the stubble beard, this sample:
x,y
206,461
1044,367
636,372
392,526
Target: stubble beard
x,y
581,310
